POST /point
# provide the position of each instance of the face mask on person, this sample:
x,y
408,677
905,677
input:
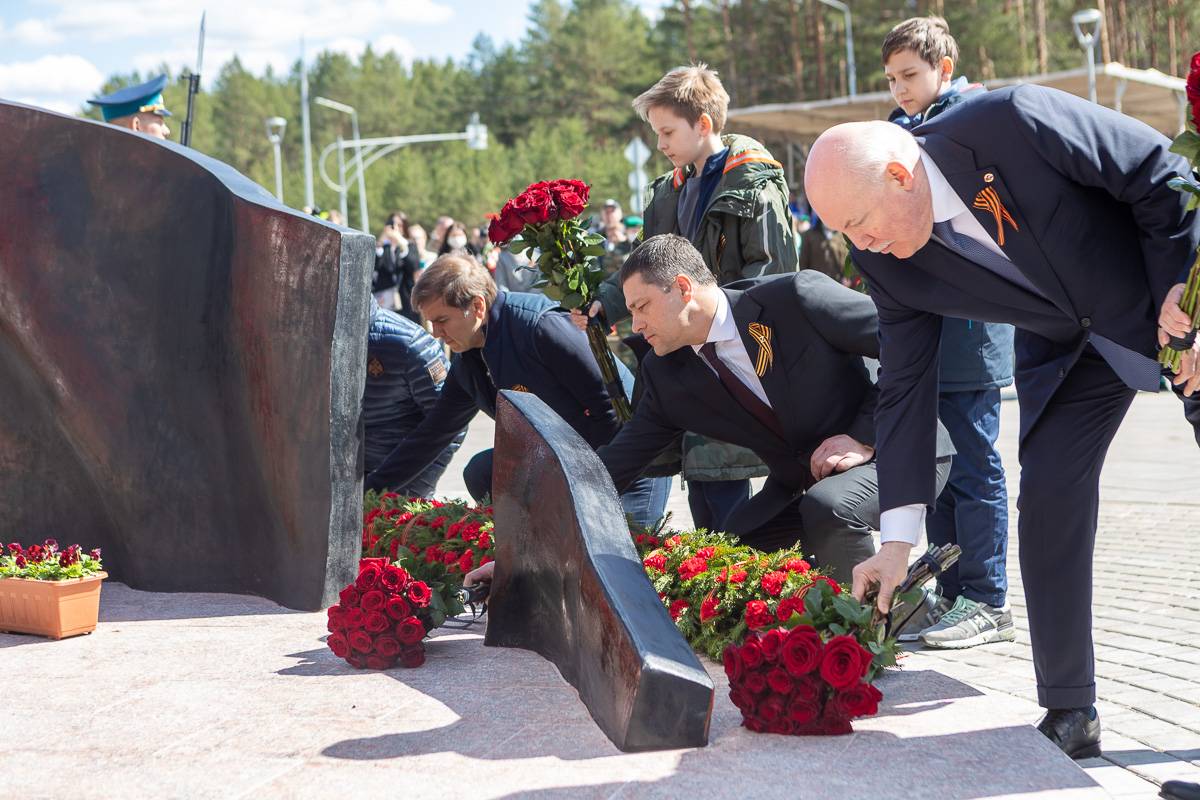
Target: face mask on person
x,y
457,242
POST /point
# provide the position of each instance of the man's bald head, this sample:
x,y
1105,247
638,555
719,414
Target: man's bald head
x,y
866,180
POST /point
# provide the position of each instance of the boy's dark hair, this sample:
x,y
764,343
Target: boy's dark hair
x,y
928,37
688,92
660,258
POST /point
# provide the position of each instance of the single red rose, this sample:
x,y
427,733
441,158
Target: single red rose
x,y
380,563
355,618
397,607
413,657
503,229
534,206
779,680
860,700
410,630
373,600
338,644
789,606
802,711
387,646
732,662
772,708
751,653
379,662
377,622
772,583
394,577
692,567
677,608
844,662
758,615
368,577
832,722
797,565
356,661
571,196
656,561
771,642
418,593
810,689
801,651
755,682
360,641
708,609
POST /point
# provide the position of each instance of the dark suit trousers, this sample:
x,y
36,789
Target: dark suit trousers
x,y
1058,506
831,522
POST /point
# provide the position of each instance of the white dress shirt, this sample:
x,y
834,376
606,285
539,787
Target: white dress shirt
x,y
904,523
730,349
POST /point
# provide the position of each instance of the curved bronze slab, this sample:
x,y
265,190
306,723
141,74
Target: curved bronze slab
x,y
182,363
570,586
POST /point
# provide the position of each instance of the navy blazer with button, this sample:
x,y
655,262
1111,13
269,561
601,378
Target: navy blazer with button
x,y
1093,225
531,346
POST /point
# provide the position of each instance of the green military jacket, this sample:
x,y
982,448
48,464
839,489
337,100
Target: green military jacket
x,y
746,232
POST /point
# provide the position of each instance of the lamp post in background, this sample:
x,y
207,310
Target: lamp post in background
x,y
275,128
1086,23
852,78
364,224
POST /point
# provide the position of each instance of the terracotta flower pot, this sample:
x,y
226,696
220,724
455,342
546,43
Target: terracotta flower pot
x,y
56,609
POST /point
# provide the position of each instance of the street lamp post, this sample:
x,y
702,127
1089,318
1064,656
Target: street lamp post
x,y
1088,18
275,127
362,180
852,78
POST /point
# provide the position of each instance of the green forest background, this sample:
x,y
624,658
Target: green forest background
x,y
557,103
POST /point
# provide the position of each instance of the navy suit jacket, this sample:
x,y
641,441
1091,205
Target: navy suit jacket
x,y
1082,209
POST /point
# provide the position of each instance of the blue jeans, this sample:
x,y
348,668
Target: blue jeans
x,y
645,500
972,511
711,501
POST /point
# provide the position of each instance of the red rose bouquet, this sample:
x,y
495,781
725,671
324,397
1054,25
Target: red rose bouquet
x,y
544,221
812,673
1187,144
382,618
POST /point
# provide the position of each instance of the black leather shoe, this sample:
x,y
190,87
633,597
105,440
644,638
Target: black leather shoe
x,y
1074,730
1180,790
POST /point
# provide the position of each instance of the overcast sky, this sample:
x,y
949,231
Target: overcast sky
x,y
57,53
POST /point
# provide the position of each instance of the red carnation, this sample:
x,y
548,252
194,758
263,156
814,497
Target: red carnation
x,y
397,607
373,600
410,630
377,622
467,561
779,680
418,593
338,644
758,615
732,661
387,646
772,583
708,609
771,642
692,567
413,656
860,700
655,561
844,662
677,608
801,651
368,577
797,565
789,606
751,653
360,641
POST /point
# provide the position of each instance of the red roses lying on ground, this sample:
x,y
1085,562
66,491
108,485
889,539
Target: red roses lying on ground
x,y
381,619
801,681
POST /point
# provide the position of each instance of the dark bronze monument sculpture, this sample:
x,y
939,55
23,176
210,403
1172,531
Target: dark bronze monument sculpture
x,y
181,365
570,586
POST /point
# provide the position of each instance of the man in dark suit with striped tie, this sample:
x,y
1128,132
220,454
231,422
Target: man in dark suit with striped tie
x,y
1033,207
772,364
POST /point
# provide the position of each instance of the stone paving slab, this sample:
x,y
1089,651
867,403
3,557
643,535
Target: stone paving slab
x,y
228,697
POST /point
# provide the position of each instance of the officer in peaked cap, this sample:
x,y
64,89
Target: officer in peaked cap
x,y
138,108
